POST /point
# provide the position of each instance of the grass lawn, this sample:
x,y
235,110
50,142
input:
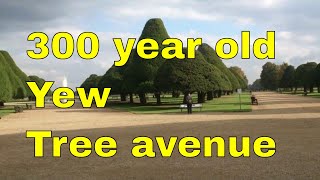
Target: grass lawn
x,y
301,93
5,111
171,105
9,107
316,95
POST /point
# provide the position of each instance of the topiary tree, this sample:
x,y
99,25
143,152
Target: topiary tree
x,y
240,75
91,82
5,88
141,71
16,77
187,76
116,78
12,79
40,82
229,82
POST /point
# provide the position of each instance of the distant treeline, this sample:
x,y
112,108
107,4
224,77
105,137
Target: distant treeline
x,y
206,74
287,77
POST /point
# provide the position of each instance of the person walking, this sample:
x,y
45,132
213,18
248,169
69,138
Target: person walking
x,y
189,103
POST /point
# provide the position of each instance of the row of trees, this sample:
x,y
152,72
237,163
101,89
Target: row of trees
x,y
13,80
206,74
287,76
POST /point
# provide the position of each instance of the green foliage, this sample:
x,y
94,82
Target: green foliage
x,y
317,74
116,78
288,78
282,69
11,72
256,85
240,75
145,87
205,73
305,75
112,78
5,88
140,70
187,75
91,82
229,81
40,82
270,76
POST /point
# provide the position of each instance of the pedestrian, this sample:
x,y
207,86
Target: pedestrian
x,y
189,103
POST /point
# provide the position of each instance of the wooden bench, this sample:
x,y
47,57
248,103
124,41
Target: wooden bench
x,y
254,100
185,106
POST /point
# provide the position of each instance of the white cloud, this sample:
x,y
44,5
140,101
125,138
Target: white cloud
x,y
295,22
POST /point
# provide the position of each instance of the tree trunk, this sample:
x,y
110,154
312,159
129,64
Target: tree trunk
x,y
304,88
131,98
123,97
215,94
1,104
142,98
209,95
219,93
175,94
318,89
158,96
201,97
311,89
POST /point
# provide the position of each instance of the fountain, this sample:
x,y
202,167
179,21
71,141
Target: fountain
x,y
64,84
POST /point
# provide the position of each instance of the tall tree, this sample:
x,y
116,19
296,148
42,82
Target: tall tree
x,y
141,72
119,80
317,76
187,76
240,75
256,85
288,78
16,77
305,76
5,88
91,82
40,82
210,55
270,76
282,69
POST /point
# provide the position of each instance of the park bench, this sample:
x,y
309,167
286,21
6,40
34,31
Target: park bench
x,y
184,106
254,100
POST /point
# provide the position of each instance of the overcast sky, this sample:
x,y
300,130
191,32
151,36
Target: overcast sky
x,y
296,24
